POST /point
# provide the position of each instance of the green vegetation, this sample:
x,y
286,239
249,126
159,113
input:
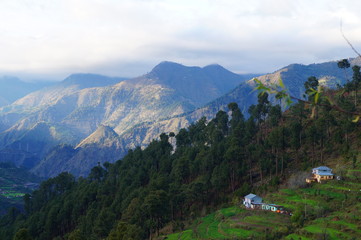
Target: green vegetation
x,y
326,214
240,224
159,190
14,184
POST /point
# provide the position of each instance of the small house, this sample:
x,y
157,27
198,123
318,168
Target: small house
x,y
252,201
275,208
319,174
272,207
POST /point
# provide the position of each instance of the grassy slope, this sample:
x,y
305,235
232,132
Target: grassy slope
x,y
332,210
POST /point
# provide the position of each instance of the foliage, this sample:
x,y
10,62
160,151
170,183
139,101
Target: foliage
x,y
214,162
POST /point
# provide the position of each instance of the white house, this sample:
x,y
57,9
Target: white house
x,y
320,173
251,200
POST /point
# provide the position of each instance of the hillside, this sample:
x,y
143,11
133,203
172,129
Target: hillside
x,y
159,190
320,211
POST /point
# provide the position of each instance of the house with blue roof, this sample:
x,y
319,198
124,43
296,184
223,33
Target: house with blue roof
x,y
252,201
320,174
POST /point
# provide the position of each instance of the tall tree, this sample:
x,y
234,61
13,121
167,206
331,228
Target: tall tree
x,y
344,64
356,80
310,87
237,116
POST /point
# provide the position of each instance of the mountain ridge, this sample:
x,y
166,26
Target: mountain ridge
x,y
77,104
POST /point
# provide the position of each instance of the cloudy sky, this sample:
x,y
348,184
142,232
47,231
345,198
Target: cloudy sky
x,y
53,38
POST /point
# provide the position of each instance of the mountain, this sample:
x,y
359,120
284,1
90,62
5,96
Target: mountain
x,y
137,127
293,76
29,126
102,145
12,88
83,103
194,82
50,96
102,121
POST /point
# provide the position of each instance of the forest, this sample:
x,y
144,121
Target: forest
x,y
182,176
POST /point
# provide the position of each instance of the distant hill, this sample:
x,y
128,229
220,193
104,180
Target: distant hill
x,y
12,88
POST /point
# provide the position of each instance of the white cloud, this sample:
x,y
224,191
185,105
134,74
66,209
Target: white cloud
x,y
108,36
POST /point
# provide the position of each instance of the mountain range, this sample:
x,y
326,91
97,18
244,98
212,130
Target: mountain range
x,y
87,118
84,111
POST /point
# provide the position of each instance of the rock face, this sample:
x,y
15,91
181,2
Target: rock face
x,y
94,110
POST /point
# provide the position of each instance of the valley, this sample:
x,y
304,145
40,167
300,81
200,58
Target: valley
x,y
14,184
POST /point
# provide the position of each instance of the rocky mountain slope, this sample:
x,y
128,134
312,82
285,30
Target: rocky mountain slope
x,y
30,127
82,104
293,77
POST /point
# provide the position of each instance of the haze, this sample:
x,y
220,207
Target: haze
x,y
50,39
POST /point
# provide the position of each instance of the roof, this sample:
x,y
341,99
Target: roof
x,y
323,168
251,196
324,173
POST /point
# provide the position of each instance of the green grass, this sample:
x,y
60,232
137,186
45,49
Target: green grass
x,y
13,195
238,232
213,232
348,225
174,236
202,228
185,235
322,229
208,229
294,236
13,186
231,211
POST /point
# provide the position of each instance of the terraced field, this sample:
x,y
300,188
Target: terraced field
x,y
330,210
234,223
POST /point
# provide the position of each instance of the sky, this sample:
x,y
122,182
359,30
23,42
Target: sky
x,y
51,39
